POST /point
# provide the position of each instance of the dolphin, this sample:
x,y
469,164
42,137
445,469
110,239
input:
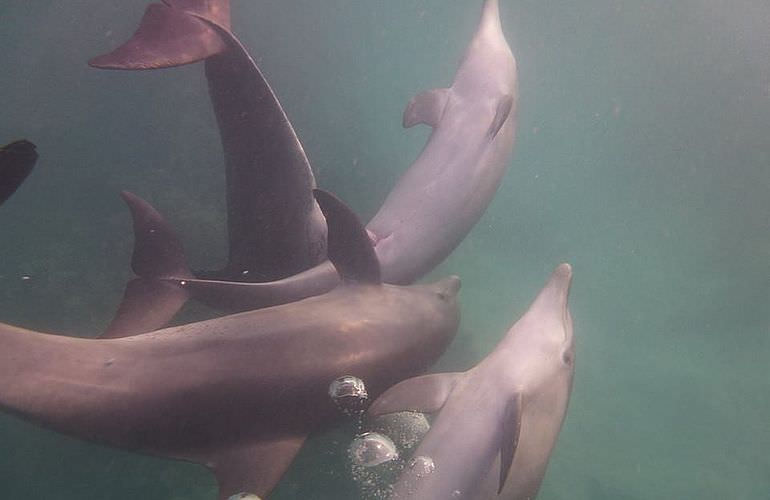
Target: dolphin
x,y
495,424
433,206
16,162
275,228
239,393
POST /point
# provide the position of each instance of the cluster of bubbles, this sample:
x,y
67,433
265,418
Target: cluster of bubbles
x,y
376,453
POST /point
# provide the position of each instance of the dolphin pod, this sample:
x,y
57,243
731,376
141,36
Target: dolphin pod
x,y
239,393
433,206
497,423
275,228
17,160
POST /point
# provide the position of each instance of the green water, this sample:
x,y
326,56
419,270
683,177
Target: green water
x,y
642,159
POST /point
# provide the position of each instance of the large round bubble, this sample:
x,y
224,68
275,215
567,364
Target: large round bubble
x,y
372,448
406,428
349,394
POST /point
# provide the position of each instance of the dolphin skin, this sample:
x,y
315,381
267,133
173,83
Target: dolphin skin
x,y
239,393
497,423
16,162
434,205
275,228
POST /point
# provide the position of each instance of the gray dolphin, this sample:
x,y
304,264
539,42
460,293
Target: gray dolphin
x,y
275,228
496,423
433,206
240,393
17,160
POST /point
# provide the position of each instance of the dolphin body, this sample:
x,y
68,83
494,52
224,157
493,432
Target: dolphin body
x,y
433,206
275,228
240,393
496,424
17,160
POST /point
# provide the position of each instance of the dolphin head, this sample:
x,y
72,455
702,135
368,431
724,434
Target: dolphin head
x,y
540,345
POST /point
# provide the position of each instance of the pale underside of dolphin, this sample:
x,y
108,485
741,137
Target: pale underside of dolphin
x,y
239,393
496,424
433,206
275,228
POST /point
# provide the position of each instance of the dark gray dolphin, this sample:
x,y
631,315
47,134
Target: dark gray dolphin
x,y
497,423
433,206
16,162
275,228
240,393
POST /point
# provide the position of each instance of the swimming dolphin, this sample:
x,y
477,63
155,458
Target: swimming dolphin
x,y
433,206
496,424
275,228
16,162
239,393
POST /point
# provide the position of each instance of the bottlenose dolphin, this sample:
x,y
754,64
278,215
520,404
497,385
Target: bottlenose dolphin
x,y
275,228
434,205
496,423
16,162
239,393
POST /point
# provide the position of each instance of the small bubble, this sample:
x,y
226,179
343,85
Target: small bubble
x,y
349,394
25,277
183,282
245,272
456,494
422,465
372,449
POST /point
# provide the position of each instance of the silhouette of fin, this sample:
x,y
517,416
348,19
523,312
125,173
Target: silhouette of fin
x,y
16,162
171,34
425,394
348,244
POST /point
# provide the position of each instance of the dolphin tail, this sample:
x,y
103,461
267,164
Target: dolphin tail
x,y
150,301
172,33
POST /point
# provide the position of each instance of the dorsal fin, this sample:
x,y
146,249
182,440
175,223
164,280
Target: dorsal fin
x,y
158,253
349,246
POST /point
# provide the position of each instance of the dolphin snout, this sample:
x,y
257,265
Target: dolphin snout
x,y
448,287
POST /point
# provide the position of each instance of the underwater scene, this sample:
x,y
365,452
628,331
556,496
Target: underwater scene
x,y
480,249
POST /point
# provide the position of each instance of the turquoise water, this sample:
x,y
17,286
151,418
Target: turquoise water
x,y
641,159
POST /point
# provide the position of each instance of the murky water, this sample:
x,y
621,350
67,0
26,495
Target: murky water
x,y
642,159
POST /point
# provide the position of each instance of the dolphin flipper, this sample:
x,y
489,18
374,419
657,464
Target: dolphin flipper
x,y
16,162
254,468
170,34
504,107
426,107
510,438
425,394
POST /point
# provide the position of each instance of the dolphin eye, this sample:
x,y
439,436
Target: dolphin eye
x,y
567,357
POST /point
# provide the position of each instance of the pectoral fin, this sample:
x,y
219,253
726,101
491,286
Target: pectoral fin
x,y
510,437
426,107
255,468
425,394
504,107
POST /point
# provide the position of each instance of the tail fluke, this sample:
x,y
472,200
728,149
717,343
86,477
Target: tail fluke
x,y
16,162
149,301
171,33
